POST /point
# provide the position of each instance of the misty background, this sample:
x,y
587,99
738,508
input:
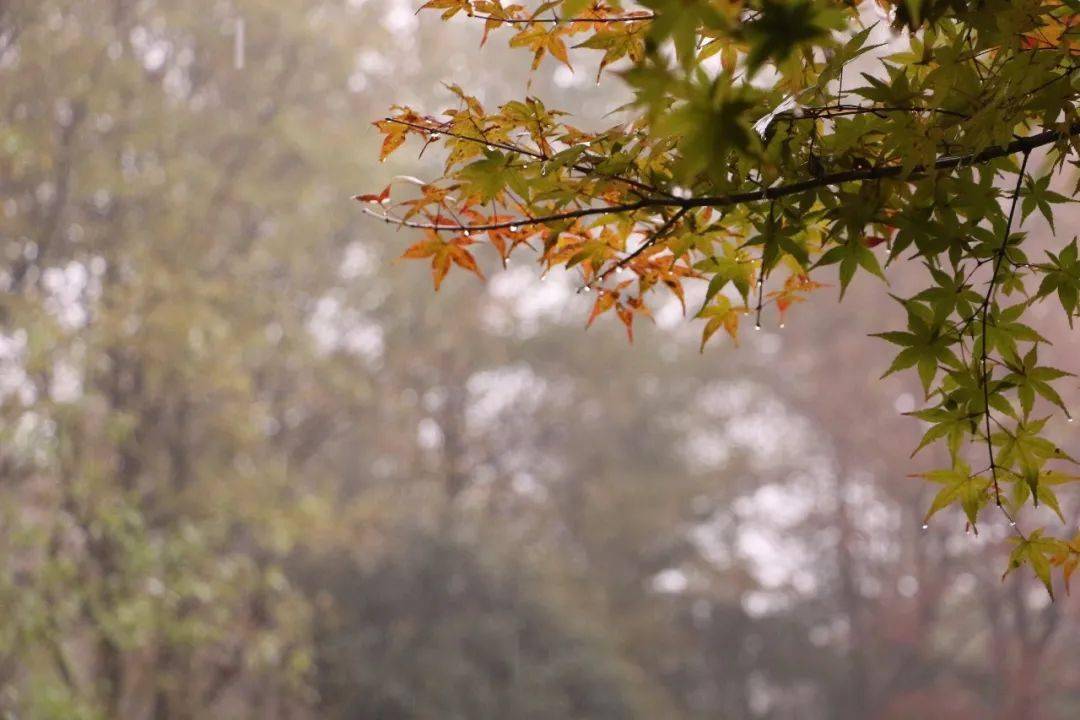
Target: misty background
x,y
251,466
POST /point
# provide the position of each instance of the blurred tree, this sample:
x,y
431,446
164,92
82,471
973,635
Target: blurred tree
x,y
153,294
432,629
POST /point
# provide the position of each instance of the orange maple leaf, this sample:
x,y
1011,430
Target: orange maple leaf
x,y
443,254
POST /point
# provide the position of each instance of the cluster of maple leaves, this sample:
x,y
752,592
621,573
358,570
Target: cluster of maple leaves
x,y
750,163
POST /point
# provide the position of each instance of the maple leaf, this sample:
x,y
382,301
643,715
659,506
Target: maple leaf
x,y
1067,557
394,137
430,195
1035,550
721,314
628,309
396,128
443,254
960,486
617,43
625,307
540,39
450,8
605,300
794,291
504,240
496,13
378,199
1057,31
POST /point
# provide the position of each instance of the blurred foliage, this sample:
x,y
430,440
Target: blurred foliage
x,y
248,469
474,640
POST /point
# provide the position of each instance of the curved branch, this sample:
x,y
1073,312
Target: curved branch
x,y
1026,144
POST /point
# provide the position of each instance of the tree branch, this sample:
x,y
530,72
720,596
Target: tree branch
x,y
950,162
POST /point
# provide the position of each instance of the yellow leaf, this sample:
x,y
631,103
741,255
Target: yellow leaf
x,y
395,137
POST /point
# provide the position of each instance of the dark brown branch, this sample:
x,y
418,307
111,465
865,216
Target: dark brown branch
x,y
826,113
1025,145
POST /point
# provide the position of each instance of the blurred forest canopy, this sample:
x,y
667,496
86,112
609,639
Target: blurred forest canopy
x,y
250,469
746,154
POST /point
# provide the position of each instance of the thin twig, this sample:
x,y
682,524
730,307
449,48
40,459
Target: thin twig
x,y
987,301
761,273
527,153
556,20
652,240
